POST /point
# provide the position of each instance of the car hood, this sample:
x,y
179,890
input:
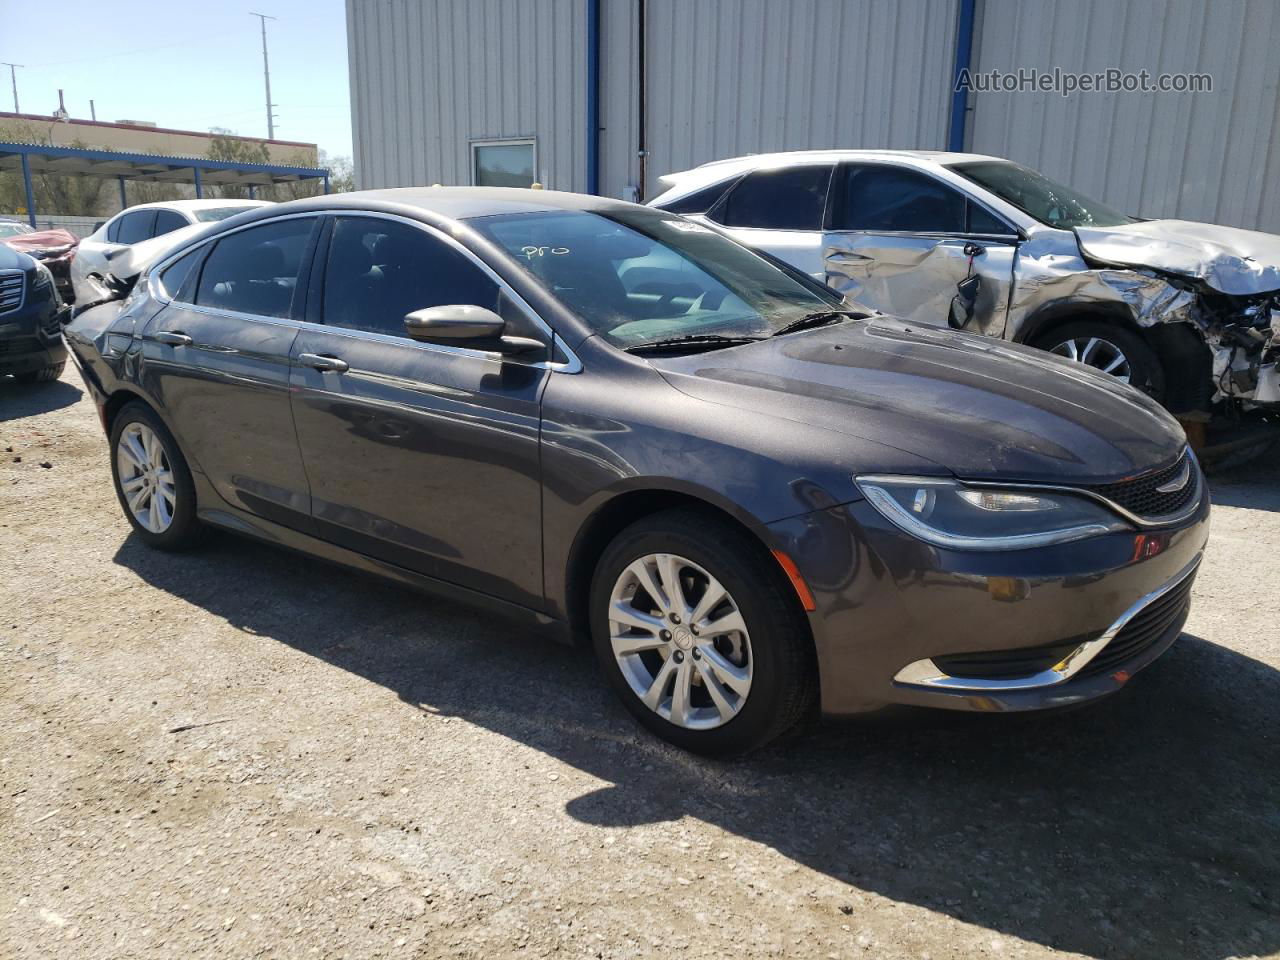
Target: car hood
x,y
1231,261
41,240
977,407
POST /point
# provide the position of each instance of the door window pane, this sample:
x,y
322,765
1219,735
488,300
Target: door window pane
x,y
894,199
175,275
380,270
503,164
135,227
256,270
982,221
790,199
167,221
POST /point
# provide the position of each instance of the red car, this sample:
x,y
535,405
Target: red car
x,y
54,248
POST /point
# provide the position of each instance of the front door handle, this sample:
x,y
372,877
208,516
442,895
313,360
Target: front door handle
x,y
319,361
175,338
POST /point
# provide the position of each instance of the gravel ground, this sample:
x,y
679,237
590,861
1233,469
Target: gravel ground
x,y
243,752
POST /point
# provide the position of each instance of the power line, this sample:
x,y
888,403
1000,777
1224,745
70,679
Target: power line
x,y
266,75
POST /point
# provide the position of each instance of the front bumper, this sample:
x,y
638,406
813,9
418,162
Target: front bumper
x,y
893,613
31,340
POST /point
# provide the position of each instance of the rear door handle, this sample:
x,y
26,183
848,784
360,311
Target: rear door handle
x,y
319,361
174,338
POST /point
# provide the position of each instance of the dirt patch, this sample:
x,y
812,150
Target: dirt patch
x,y
244,752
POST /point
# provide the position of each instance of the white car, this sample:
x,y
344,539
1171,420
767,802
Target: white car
x,y
1189,312
142,222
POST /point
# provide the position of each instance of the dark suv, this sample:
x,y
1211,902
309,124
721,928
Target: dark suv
x,y
31,347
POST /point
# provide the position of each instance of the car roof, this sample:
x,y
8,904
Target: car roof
x,y
717,170
202,204
459,203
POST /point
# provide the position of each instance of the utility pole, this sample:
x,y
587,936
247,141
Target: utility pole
x,y
266,75
13,78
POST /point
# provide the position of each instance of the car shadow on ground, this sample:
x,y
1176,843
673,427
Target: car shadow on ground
x,y
29,399
1145,825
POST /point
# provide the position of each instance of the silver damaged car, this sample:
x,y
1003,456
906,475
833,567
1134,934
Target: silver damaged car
x,y
1188,312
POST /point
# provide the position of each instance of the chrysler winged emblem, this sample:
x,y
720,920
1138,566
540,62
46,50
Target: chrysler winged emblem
x,y
1178,482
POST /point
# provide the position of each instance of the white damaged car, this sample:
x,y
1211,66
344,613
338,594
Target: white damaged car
x,y
1189,312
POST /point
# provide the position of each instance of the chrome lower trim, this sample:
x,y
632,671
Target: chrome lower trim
x,y
925,673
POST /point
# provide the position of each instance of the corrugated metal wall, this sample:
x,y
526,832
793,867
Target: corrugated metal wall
x,y
726,77
1196,156
429,77
729,77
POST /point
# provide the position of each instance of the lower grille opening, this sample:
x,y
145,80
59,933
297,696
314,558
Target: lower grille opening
x,y
1147,627
1004,664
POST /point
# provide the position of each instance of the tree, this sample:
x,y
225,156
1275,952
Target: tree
x,y
232,149
55,193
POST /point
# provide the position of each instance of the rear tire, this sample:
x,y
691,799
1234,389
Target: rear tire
x,y
1110,348
771,660
152,480
43,375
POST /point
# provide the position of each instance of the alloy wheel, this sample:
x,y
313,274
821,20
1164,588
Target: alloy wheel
x,y
146,478
1097,353
680,640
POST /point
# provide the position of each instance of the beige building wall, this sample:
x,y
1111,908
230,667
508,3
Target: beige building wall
x,y
135,138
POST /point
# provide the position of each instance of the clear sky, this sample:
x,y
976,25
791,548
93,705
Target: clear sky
x,y
184,64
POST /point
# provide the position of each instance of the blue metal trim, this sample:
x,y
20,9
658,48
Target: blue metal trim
x,y
964,52
148,160
593,97
31,194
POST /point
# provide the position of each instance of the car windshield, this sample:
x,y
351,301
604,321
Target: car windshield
x,y
210,214
10,229
1037,196
638,276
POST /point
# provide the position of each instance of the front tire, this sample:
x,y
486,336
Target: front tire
x,y
152,481
1112,349
700,635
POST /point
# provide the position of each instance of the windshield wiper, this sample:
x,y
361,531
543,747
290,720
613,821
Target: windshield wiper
x,y
819,319
689,344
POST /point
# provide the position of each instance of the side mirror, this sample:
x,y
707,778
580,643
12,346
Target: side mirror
x,y
455,321
962,304
461,322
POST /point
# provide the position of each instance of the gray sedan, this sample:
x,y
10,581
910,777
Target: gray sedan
x,y
610,423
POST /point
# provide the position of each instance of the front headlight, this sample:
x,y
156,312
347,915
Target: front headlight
x,y
947,513
43,277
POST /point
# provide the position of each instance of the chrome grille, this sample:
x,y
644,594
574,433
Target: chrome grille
x,y
12,285
1141,495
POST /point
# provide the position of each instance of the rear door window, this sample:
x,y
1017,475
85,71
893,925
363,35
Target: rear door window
x,y
793,198
136,227
886,199
167,221
256,270
700,201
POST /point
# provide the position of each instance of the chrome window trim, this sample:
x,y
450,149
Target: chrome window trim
x,y
925,673
572,365
1163,520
